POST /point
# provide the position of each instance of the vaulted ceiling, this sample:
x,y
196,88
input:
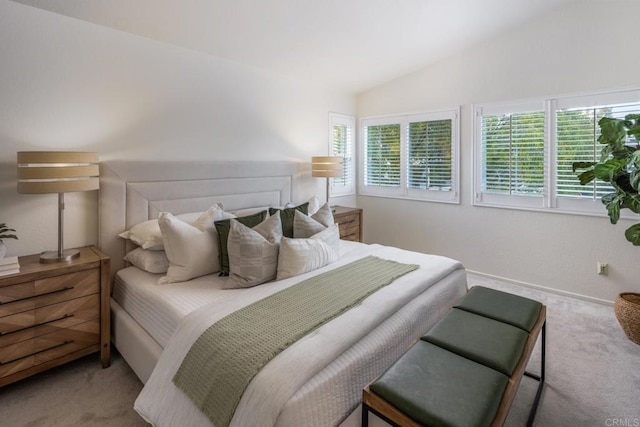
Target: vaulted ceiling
x,y
349,45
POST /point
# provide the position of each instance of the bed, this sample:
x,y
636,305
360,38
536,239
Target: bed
x,y
152,325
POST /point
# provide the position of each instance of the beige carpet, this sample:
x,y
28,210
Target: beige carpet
x,y
593,378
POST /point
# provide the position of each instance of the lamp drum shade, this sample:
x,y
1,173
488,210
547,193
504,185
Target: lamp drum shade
x,y
41,172
326,166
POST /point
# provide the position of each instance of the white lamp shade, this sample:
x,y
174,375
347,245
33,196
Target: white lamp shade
x,y
57,172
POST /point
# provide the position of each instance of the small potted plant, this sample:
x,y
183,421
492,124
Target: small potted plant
x,y
619,165
5,234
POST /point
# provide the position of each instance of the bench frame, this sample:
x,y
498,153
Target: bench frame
x,y
371,402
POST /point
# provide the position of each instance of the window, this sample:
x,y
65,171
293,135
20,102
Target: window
x,y
525,152
411,156
341,134
511,155
513,148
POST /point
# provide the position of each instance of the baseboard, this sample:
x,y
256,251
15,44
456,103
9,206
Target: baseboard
x,y
543,288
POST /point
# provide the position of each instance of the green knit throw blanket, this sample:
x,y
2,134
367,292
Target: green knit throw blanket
x,y
224,359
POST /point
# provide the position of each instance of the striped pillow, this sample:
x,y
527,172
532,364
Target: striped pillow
x,y
253,252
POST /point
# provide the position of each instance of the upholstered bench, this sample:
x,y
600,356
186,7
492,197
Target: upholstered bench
x,y
466,370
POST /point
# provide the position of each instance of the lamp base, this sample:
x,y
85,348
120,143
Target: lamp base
x,y
54,256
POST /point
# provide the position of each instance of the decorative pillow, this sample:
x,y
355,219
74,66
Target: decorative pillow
x,y
250,211
314,205
306,226
151,261
223,233
253,253
287,217
192,251
147,234
298,256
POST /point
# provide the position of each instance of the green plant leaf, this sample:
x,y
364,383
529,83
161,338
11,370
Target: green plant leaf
x,y
613,208
612,131
582,165
633,234
607,171
586,177
633,124
634,179
632,202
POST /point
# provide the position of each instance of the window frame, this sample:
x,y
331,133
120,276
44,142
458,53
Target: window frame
x,y
336,119
483,198
549,201
403,191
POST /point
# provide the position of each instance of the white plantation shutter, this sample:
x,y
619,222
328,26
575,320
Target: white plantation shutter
x,y
513,153
524,151
577,134
382,158
430,165
412,156
509,147
341,143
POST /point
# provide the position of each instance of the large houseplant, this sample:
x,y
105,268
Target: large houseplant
x,y
619,165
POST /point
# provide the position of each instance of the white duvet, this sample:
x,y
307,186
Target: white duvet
x,y
267,399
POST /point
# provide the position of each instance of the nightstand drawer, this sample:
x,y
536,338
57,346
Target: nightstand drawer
x,y
351,233
43,320
29,295
17,357
26,354
349,222
64,341
349,226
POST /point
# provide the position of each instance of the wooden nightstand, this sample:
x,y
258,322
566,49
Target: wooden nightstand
x,y
349,221
53,313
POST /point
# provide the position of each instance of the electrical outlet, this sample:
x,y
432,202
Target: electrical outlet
x,y
603,268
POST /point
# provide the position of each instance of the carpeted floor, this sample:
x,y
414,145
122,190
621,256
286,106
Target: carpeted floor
x,y
593,377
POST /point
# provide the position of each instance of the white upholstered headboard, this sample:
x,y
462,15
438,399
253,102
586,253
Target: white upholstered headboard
x,y
135,191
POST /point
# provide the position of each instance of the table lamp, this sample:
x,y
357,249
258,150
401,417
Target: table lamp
x,y
327,167
43,172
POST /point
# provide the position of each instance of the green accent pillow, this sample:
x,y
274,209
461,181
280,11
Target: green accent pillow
x,y
287,215
223,228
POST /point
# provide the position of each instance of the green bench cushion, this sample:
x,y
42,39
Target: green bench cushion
x,y
508,308
483,340
436,387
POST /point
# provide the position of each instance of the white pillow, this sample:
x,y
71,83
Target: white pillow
x,y
298,256
147,234
306,226
314,205
253,252
151,261
192,251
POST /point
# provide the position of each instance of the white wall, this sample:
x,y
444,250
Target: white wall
x,y
66,84
585,46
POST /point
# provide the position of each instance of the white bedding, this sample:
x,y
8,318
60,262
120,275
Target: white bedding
x,y
332,364
160,308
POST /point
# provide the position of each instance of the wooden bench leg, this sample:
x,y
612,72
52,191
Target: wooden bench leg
x,y
540,378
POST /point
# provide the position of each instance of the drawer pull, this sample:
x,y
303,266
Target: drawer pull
x,y
37,352
37,324
66,288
